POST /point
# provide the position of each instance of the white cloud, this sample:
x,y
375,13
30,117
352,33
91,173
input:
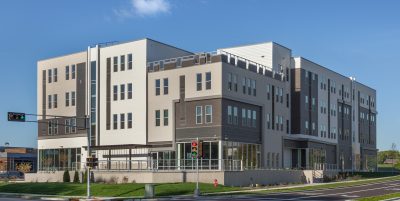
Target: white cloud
x,y
144,8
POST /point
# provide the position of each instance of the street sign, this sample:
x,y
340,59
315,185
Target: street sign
x,y
92,162
16,116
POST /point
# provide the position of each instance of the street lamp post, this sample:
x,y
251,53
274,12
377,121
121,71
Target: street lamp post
x,y
88,128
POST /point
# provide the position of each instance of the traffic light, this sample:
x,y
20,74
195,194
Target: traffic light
x,y
15,116
194,148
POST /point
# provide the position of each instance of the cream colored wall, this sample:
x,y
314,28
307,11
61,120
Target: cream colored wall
x,y
61,86
260,53
161,102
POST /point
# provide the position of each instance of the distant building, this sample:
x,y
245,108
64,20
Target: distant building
x,y
11,157
390,161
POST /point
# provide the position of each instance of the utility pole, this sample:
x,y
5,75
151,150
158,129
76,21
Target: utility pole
x,y
88,127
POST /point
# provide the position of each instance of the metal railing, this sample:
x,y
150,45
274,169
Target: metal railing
x,y
207,57
325,166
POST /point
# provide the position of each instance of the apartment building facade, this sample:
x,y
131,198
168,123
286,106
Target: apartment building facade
x,y
253,106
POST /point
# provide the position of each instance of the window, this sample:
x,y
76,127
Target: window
x,y
198,81
253,86
73,98
235,84
165,86
208,80
230,81
199,114
235,116
268,118
49,101
158,118
122,88
249,118
244,118
277,122
122,121
313,125
67,126
306,99
115,64
130,91
268,91
244,85
115,121
306,124
281,94
248,86
55,74
229,114
73,125
165,117
55,101
208,113
122,62
67,99
49,75
313,101
130,58
66,72
73,71
129,120
277,94
115,90
157,87
281,122
254,122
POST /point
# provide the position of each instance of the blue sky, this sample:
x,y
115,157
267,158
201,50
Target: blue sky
x,y
355,38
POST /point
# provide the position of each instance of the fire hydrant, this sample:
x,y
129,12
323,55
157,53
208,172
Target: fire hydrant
x,y
215,183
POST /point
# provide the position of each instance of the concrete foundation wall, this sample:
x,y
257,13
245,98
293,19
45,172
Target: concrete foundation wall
x,y
231,178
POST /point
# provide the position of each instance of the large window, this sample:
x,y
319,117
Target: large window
x,y
165,117
55,74
115,64
130,91
122,62
199,114
49,101
199,82
235,116
165,80
59,159
66,99
122,121
157,87
208,113
122,88
158,118
66,72
115,92
130,58
49,75
229,114
55,100
129,120
115,121
208,80
73,98
73,71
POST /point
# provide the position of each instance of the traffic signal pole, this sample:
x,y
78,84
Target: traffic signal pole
x,y
89,129
197,190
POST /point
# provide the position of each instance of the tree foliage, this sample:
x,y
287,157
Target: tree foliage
x,y
66,177
390,154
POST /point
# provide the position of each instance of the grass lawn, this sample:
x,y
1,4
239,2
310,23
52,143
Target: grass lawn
x,y
381,197
112,190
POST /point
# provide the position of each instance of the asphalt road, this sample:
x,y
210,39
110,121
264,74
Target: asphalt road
x,y
340,193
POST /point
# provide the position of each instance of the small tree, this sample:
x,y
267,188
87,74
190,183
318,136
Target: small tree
x,y
91,177
66,177
76,177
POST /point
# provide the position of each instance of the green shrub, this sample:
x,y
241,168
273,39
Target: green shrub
x,y
76,177
66,177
